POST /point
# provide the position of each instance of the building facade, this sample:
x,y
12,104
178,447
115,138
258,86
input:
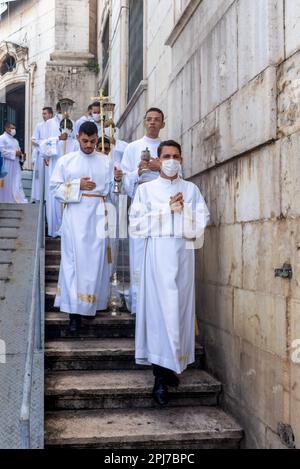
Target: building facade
x,y
226,73
47,52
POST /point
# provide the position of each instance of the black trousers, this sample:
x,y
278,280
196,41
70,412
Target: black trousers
x,y
159,371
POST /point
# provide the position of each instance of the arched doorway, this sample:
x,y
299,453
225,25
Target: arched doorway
x,y
16,84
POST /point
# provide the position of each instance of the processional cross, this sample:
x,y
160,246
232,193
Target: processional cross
x,y
104,100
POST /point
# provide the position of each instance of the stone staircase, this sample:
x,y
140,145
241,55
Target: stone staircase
x,y
96,397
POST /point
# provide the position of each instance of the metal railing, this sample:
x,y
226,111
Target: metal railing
x,y
35,333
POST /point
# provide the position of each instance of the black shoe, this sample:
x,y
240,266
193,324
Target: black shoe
x,y
160,391
75,323
172,379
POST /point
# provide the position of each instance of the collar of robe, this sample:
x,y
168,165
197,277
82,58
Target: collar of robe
x,y
169,182
87,156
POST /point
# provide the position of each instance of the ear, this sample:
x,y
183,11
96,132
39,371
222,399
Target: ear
x,y
163,125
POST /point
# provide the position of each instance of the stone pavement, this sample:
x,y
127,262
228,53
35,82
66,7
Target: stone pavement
x,y
17,244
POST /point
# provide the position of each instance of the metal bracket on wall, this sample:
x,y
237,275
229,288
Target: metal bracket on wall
x,y
285,272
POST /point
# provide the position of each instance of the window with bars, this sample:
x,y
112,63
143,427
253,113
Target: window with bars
x,y
136,45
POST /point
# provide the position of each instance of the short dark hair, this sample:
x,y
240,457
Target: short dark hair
x,y
168,143
48,109
88,128
106,140
155,109
96,104
90,107
7,124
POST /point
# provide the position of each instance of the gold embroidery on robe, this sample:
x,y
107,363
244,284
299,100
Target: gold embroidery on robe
x,y
182,358
91,299
58,291
67,190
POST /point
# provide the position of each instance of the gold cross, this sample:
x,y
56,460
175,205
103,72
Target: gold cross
x,y
102,98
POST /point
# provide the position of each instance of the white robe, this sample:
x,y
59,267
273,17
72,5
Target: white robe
x,y
12,190
40,133
130,163
83,286
165,318
52,149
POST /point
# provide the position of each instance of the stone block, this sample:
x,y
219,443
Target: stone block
x,y
219,63
266,247
260,37
219,189
258,185
292,33
249,118
290,175
216,306
223,255
261,320
289,96
222,358
263,383
204,141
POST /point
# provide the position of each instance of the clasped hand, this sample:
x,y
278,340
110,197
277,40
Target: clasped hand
x,y
177,203
152,165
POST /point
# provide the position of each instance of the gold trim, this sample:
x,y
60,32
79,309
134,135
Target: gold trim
x,y
2,183
91,299
67,190
58,291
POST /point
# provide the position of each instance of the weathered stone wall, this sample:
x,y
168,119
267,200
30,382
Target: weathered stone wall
x,y
31,24
228,80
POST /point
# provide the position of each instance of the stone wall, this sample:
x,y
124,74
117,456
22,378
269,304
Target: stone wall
x,y
226,72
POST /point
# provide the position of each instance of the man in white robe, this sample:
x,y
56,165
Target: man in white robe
x,y
12,189
82,181
51,150
169,213
39,134
137,172
85,118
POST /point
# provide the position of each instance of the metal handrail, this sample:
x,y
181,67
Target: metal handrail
x,y
34,340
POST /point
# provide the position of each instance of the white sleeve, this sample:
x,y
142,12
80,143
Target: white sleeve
x,y
64,191
131,177
8,153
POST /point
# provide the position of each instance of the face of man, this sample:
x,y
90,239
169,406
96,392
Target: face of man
x,y
106,148
11,129
87,143
96,113
46,115
170,154
153,124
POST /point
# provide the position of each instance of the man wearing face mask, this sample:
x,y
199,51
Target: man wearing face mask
x,y
51,150
12,190
170,214
85,118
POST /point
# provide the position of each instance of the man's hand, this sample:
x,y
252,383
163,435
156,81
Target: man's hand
x,y
63,137
177,203
18,153
154,164
112,140
46,163
86,184
142,166
118,174
108,123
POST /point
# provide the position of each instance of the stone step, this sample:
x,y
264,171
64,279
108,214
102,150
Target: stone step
x,y
96,354
103,326
52,272
124,389
155,429
53,257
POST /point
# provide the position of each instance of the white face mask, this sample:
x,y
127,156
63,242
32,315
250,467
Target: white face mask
x,y
13,132
96,117
171,167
